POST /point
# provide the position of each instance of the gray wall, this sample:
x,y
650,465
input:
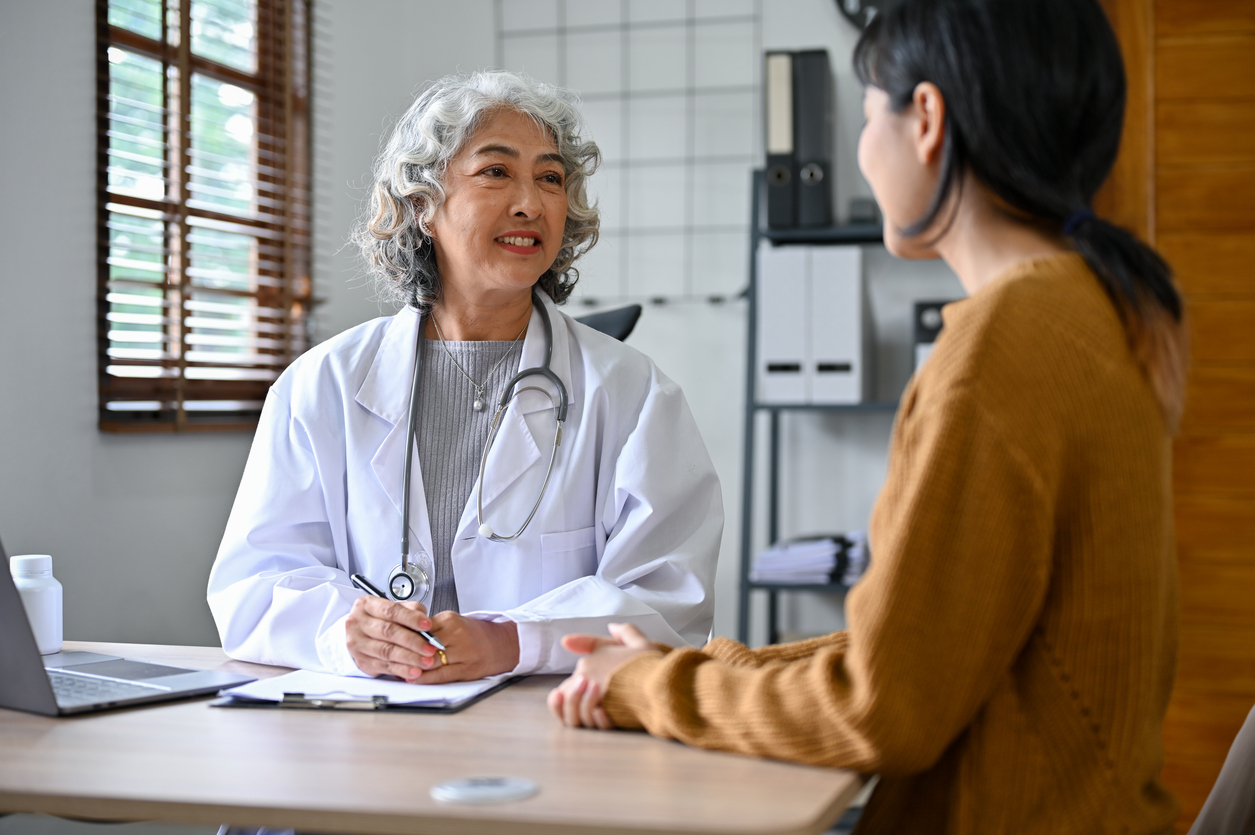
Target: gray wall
x,y
133,521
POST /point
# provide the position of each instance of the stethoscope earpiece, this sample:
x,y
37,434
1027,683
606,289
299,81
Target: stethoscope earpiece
x,y
485,530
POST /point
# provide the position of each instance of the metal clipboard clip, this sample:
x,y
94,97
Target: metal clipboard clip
x,y
300,700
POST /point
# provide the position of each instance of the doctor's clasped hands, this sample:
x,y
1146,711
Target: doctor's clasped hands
x,y
383,638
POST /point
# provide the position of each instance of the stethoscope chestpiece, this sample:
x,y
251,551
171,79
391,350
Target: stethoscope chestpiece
x,y
409,582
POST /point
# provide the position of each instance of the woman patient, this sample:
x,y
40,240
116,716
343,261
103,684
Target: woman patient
x,y
477,215
1010,654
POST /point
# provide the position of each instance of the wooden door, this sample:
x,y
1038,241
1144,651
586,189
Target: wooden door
x,y
1186,181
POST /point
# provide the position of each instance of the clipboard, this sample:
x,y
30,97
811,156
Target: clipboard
x,y
295,700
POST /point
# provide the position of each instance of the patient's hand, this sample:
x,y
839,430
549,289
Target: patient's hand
x,y
576,702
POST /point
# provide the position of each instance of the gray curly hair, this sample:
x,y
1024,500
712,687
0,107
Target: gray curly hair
x,y
407,188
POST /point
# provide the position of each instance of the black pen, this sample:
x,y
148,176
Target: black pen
x,y
369,587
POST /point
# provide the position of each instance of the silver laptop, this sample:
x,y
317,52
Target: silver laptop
x,y
82,682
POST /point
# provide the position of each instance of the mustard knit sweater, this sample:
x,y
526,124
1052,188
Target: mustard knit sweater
x,y
1011,651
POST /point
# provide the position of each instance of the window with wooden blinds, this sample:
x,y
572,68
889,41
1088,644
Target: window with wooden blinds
x,y
203,286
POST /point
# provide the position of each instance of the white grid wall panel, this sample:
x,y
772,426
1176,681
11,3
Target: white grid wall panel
x,y
670,91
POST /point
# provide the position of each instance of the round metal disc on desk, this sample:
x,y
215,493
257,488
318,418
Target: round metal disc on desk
x,y
484,789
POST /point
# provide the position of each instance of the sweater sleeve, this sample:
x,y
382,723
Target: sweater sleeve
x,y
961,543
725,649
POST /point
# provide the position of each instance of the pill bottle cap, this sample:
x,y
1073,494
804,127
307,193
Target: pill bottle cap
x,y
31,565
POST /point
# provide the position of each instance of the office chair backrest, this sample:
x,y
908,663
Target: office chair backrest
x,y
617,323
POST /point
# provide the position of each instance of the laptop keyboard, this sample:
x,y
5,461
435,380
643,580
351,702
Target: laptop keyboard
x,y
74,690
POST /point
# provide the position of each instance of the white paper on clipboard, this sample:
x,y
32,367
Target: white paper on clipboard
x,y
347,688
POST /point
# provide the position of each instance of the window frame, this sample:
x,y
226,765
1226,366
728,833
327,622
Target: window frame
x,y
279,303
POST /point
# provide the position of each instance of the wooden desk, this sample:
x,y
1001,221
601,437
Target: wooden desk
x,y
369,772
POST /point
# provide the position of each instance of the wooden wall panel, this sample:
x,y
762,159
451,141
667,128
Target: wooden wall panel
x,y
1206,593
1220,399
1212,524
1206,131
1193,735
1206,264
1213,67
1207,662
1174,18
1209,464
1202,62
1205,199
1222,331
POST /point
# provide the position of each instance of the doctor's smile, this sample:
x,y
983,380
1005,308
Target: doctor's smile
x,y
521,243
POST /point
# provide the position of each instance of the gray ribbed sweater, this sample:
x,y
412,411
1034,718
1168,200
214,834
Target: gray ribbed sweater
x,y
451,437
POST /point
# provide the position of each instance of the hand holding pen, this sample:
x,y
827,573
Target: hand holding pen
x,y
387,637
370,588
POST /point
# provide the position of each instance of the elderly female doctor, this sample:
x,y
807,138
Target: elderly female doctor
x,y
477,214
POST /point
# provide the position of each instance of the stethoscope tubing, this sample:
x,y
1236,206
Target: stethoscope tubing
x,y
411,425
503,403
483,465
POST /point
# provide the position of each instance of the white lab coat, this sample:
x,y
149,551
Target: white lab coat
x,y
628,531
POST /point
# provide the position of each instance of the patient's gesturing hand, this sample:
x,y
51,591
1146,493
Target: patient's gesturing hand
x,y
576,702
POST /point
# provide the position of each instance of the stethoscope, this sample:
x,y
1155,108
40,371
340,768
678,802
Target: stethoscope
x,y
411,580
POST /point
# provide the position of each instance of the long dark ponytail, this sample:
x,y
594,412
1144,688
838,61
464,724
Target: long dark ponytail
x,y
1035,93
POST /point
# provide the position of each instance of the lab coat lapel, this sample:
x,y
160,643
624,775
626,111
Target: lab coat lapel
x,y
386,392
525,437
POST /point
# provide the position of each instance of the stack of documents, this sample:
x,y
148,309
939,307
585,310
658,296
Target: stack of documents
x,y
810,561
856,557
840,558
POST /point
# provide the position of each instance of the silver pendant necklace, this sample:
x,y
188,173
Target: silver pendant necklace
x,y
478,405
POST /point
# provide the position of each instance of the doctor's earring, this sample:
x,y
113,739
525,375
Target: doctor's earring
x,y
411,581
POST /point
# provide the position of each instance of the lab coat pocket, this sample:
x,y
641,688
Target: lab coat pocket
x,y
567,556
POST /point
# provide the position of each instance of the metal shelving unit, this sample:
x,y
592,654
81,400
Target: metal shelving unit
x,y
852,234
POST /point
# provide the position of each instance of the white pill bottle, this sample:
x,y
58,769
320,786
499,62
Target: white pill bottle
x,y
41,595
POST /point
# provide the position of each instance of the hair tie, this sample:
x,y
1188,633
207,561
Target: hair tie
x,y
1076,219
